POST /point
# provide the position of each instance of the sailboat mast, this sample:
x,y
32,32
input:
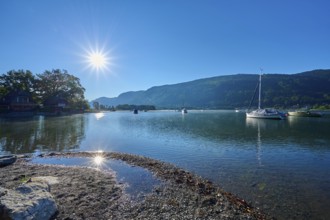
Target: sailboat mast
x,y
259,101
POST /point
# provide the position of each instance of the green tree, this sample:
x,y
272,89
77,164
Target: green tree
x,y
17,81
3,91
80,104
61,84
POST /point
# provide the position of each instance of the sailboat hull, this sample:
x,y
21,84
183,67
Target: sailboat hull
x,y
265,114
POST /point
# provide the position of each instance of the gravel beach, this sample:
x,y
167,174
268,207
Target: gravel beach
x,y
89,193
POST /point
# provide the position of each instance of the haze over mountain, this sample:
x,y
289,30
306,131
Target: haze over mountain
x,y
234,91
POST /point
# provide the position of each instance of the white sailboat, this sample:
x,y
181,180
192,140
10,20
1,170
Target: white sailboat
x,y
263,113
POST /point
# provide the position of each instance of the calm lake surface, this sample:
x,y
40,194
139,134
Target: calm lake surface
x,y
282,167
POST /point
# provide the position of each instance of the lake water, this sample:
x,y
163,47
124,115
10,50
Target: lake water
x,y
136,181
282,167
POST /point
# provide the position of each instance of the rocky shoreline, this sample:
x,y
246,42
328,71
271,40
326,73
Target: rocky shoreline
x,y
89,193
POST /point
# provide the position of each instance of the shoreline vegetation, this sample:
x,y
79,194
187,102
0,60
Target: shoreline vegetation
x,y
90,193
24,94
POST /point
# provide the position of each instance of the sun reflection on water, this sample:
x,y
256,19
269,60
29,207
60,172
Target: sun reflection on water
x,y
98,160
99,115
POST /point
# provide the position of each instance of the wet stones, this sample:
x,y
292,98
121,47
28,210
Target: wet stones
x,y
7,160
209,201
28,201
183,195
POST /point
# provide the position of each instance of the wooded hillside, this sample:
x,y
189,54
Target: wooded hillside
x,y
235,91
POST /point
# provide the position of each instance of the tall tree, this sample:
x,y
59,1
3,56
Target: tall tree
x,y
17,81
60,84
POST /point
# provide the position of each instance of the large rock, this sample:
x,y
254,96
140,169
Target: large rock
x,y
28,201
7,160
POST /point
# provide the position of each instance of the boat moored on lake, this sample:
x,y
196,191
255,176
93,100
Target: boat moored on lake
x,y
184,111
304,113
263,113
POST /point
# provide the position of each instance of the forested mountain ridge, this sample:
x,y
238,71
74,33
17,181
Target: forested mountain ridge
x,y
234,91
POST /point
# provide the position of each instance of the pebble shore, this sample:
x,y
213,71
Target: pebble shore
x,y
89,193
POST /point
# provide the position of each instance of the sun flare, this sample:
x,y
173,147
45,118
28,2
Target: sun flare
x,y
98,59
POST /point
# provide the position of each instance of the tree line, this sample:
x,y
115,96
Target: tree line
x,y
41,87
102,107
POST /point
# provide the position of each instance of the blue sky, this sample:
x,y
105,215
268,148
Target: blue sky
x,y
157,42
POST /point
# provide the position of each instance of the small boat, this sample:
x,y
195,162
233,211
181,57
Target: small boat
x,y
184,111
263,113
135,111
304,113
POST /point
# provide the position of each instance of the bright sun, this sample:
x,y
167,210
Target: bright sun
x,y
97,60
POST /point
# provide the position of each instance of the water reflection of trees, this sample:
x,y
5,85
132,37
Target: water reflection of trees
x,y
40,133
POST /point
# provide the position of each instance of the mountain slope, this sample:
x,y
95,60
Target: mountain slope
x,y
231,91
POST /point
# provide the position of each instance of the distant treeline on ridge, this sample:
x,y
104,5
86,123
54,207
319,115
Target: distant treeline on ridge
x,y
310,89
